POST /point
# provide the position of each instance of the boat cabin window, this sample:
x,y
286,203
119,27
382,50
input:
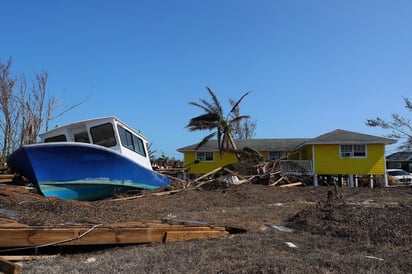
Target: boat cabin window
x,y
103,135
131,141
81,137
58,138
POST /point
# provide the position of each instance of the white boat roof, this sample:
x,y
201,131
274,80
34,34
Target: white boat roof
x,y
91,121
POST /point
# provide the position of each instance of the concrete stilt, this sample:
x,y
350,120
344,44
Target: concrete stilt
x,y
371,181
350,180
385,180
315,180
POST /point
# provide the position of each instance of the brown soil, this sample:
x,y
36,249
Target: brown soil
x,y
336,231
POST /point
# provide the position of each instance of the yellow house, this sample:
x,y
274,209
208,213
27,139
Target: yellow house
x,y
338,152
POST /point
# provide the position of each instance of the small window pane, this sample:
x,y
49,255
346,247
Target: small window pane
x,y
359,151
81,137
58,138
346,151
103,135
131,141
206,156
125,137
138,145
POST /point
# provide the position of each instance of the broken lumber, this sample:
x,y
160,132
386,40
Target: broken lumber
x,y
6,178
292,184
8,267
147,195
208,174
119,233
18,258
277,181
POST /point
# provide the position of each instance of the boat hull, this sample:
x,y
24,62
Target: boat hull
x,y
77,171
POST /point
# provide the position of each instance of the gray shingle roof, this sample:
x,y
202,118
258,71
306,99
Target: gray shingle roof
x,y
288,144
400,156
258,144
340,136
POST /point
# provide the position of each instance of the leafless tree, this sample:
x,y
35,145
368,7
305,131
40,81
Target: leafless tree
x,y
7,107
400,126
24,108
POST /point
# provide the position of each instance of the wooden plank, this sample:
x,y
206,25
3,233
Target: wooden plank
x,y
147,195
208,174
6,222
115,234
7,176
9,267
292,184
18,258
176,236
276,182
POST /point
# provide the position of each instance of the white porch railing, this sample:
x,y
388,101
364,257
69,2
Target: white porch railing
x,y
296,167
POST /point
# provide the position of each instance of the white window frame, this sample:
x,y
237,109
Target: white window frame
x,y
205,156
353,151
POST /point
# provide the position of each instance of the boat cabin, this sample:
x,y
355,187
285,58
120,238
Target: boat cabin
x,y
108,132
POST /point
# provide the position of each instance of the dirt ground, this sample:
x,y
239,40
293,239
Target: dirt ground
x,y
339,230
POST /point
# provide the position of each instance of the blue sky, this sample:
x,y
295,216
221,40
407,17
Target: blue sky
x,y
312,66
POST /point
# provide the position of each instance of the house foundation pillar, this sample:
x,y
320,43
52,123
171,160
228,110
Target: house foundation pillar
x,y
385,180
315,180
371,181
350,181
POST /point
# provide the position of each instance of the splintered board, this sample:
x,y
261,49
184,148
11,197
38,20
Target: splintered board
x,y
120,233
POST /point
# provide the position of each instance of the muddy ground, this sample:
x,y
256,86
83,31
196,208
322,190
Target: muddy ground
x,y
358,230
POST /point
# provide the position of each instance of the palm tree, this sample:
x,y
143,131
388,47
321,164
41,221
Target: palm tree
x,y
214,120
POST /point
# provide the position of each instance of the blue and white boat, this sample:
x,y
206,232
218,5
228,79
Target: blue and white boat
x,y
88,160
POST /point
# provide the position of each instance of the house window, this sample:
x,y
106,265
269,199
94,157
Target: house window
x,y
352,151
205,156
275,155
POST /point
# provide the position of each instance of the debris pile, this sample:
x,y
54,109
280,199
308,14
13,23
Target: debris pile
x,y
273,173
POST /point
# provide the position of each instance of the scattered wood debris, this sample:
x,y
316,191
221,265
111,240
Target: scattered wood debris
x,y
8,267
146,195
6,178
265,173
118,233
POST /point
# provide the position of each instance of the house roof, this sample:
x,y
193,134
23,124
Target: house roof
x,y
340,136
287,144
400,156
258,144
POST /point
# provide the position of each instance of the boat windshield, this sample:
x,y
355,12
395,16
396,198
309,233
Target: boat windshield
x,y
103,135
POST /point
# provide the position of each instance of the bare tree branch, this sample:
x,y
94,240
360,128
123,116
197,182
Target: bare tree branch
x,y
401,127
